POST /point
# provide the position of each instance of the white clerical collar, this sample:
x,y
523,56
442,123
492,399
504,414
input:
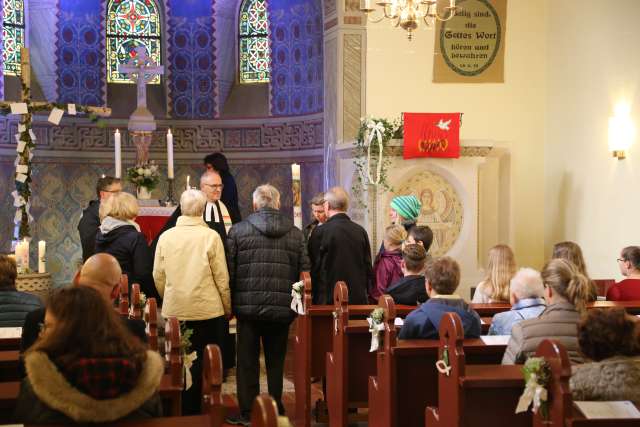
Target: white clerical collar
x,y
211,207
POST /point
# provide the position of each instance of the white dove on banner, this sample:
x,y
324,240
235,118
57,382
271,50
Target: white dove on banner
x,y
444,125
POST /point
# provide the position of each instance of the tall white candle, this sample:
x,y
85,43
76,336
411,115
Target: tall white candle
x,y
169,154
42,252
118,159
297,195
18,257
295,171
188,182
25,254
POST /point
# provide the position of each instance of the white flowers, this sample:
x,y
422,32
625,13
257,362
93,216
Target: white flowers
x,y
144,174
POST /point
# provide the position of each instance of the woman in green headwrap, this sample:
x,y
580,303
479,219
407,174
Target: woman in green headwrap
x,y
405,211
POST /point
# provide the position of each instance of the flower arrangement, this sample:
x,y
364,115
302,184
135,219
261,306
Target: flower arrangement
x,y
376,326
369,147
537,374
144,175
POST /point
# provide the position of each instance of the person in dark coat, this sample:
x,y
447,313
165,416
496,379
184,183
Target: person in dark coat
x,y
218,162
318,214
100,272
340,250
265,255
120,236
90,220
410,290
442,280
14,305
87,367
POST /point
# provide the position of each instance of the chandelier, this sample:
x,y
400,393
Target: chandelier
x,y
407,14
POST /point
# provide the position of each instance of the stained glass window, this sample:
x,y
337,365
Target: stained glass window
x,y
12,35
254,42
131,23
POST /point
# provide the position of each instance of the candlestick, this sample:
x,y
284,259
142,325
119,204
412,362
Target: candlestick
x,y
118,153
170,201
169,154
42,250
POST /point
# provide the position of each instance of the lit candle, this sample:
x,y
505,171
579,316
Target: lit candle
x,y
116,143
42,251
187,182
452,3
295,171
365,5
169,154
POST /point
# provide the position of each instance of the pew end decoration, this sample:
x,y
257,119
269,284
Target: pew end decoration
x,y
537,374
297,293
369,148
188,357
138,301
376,326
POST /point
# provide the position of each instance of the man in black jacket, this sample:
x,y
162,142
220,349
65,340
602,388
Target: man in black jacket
x,y
90,220
343,253
265,255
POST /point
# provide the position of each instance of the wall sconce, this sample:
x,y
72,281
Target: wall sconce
x,y
622,132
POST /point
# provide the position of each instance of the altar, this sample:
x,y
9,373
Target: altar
x,y
151,219
465,201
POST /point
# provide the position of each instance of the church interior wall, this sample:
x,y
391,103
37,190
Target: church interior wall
x,y
511,114
591,197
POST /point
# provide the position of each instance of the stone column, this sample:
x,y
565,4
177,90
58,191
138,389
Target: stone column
x,y
344,80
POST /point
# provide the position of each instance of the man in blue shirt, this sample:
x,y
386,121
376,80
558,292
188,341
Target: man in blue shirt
x,y
527,302
442,278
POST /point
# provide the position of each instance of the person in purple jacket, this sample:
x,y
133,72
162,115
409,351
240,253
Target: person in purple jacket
x,y
387,267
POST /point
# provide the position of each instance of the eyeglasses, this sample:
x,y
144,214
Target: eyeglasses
x,y
620,260
215,186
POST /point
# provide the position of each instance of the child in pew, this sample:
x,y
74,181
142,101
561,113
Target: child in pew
x,y
386,267
86,367
500,269
567,292
420,235
410,290
442,280
610,339
527,302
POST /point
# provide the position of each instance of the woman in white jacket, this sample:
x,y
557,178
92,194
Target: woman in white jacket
x,y
190,272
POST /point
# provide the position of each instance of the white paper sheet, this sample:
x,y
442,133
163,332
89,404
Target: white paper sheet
x,y
10,332
32,135
21,177
22,168
398,321
19,108
71,108
495,339
21,127
55,116
20,147
619,409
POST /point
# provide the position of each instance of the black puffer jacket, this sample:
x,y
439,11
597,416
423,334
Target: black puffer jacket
x,y
265,256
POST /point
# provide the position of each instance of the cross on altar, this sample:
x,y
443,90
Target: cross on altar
x,y
141,69
26,139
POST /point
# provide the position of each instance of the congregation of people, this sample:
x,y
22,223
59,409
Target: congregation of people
x,y
209,265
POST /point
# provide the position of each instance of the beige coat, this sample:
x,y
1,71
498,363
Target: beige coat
x,y
558,322
190,271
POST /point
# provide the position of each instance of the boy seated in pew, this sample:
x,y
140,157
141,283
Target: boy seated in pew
x,y
410,290
420,235
442,280
527,301
609,340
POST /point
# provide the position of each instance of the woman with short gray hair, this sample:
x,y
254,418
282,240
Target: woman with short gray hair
x,y
191,275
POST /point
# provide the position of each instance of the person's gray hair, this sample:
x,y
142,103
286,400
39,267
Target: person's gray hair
x,y
192,203
317,200
337,199
208,174
527,283
266,196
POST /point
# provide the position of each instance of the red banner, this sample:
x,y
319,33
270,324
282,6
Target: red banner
x,y
431,135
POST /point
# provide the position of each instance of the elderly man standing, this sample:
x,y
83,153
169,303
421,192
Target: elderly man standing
x,y
190,272
340,250
90,220
265,255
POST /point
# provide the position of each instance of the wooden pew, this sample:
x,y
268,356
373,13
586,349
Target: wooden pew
x,y
313,339
10,338
561,409
10,365
171,385
124,296
134,311
151,321
474,395
406,380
